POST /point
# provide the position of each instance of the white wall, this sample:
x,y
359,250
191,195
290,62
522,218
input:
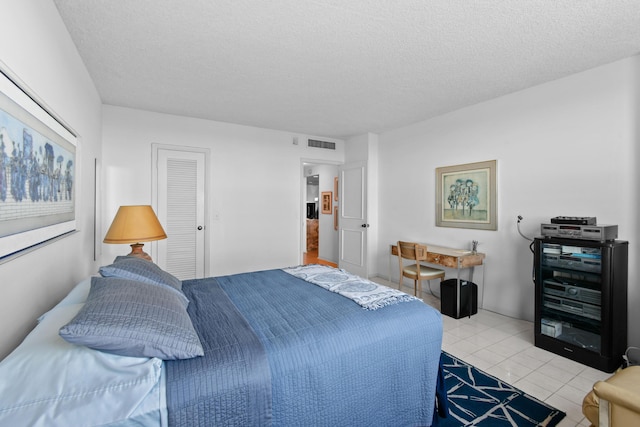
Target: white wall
x,y
563,148
35,46
256,185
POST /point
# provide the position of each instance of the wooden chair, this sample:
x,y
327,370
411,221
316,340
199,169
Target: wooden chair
x,y
416,272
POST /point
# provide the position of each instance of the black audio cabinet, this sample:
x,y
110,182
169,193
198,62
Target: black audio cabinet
x,y
581,299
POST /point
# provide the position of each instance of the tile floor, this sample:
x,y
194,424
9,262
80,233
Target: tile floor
x,y
503,347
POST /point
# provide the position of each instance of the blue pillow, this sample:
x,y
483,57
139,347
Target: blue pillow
x,y
133,268
132,318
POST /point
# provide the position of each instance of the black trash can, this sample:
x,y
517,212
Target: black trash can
x,y
468,298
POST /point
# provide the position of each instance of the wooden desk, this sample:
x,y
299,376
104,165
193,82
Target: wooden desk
x,y
458,259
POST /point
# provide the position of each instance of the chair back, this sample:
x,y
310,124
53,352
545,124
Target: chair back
x,y
415,252
412,251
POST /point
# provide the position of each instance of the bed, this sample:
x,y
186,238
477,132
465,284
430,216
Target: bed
x,y
308,345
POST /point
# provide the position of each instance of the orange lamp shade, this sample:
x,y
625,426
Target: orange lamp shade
x,y
134,224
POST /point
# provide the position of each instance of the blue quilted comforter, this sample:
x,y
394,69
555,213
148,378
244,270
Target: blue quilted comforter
x,y
282,351
229,385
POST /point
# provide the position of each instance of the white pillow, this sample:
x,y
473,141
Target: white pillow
x,y
48,381
77,295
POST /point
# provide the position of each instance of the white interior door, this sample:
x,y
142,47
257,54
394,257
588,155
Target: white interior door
x,y
352,223
181,204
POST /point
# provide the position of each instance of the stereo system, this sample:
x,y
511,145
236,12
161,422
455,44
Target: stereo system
x,y
600,233
571,306
571,298
576,220
564,289
573,262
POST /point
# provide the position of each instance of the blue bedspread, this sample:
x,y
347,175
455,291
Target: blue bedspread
x,y
328,361
230,385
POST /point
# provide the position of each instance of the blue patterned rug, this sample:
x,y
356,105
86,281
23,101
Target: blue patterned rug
x,y
478,399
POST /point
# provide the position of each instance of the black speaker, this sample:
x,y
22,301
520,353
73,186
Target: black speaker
x,y
468,298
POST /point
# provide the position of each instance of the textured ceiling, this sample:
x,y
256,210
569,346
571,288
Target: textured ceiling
x,y
338,68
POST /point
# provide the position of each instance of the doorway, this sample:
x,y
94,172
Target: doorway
x,y
319,237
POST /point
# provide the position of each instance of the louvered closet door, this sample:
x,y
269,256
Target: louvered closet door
x,y
181,210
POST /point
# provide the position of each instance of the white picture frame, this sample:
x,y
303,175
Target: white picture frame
x,y
37,171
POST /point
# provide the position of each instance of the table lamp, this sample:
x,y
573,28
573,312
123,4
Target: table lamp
x,y
135,224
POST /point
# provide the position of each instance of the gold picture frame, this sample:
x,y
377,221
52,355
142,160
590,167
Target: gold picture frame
x,y
466,196
326,202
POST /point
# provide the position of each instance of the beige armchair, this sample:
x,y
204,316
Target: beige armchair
x,y
616,401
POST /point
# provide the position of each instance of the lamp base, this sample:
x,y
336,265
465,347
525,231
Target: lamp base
x,y
136,250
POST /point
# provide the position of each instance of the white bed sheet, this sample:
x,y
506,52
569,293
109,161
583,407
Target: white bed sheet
x,y
47,381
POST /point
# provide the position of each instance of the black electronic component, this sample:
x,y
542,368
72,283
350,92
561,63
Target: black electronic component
x,y
575,220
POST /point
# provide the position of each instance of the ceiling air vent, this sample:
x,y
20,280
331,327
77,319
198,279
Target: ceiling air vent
x,y
322,144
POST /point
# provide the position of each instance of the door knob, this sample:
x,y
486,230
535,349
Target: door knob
x,y
365,226
199,227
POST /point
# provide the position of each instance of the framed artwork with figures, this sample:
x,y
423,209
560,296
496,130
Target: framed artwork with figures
x,y
466,196
37,171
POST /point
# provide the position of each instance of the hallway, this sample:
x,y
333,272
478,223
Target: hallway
x,y
311,257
